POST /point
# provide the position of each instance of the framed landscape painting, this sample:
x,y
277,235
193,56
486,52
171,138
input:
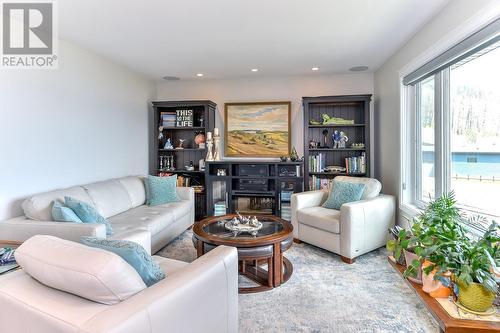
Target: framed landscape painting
x,y
257,129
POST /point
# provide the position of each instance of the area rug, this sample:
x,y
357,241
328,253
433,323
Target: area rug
x,y
326,295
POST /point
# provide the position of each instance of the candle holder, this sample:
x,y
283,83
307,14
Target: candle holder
x,y
210,143
217,156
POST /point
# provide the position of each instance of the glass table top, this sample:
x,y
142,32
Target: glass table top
x,y
218,229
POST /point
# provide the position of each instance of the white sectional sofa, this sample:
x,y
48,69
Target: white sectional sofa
x,y
198,297
121,201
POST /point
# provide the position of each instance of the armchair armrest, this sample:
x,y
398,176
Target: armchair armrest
x,y
22,228
305,200
208,287
364,224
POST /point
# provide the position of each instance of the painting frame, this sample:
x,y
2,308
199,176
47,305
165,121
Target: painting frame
x,y
227,143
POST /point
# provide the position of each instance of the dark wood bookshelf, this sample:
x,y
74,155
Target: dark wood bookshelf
x,y
202,109
348,107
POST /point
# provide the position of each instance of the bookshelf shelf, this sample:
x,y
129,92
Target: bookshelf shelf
x,y
186,128
180,150
354,174
336,125
357,160
337,149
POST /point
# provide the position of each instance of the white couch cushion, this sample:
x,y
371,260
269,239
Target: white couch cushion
x,y
321,218
88,272
372,186
39,206
135,189
110,197
154,218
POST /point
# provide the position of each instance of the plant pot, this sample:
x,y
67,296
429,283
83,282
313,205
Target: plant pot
x,y
434,287
475,297
409,257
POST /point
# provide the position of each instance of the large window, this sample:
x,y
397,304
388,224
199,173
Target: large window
x,y
453,128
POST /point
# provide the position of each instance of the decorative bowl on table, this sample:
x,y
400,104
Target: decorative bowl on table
x,y
242,224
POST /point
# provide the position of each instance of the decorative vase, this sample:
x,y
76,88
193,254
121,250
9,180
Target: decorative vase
x,y
409,257
434,287
475,297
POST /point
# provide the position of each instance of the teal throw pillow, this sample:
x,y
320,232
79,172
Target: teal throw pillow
x,y
343,192
161,190
134,254
87,213
62,213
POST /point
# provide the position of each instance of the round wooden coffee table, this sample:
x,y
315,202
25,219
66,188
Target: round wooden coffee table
x,y
254,252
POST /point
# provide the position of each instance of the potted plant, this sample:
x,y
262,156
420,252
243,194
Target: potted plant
x,y
396,245
475,268
450,251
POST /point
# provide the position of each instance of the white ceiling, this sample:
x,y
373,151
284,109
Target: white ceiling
x,y
226,38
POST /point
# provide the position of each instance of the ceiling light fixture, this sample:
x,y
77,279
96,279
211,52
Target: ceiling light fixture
x,y
254,69
315,69
199,74
358,68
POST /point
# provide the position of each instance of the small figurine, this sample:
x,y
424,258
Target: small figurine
x,y
160,133
327,120
168,144
190,167
343,140
201,120
336,139
294,156
181,141
254,222
325,135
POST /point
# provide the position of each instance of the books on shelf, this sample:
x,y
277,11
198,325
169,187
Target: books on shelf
x,y
317,163
318,183
356,164
220,208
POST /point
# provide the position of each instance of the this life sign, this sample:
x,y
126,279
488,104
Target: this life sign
x,y
184,118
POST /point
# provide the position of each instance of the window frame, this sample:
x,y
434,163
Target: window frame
x,y
411,152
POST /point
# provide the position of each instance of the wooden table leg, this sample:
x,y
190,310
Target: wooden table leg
x,y
199,248
277,265
270,272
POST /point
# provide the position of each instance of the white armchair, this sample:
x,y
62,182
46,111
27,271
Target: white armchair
x,y
357,228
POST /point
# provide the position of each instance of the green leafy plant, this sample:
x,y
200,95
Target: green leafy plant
x,y
400,241
438,236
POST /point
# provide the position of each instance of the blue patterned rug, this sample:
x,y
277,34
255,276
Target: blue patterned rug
x,y
326,295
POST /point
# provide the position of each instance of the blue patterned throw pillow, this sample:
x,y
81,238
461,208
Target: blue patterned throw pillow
x,y
161,190
62,213
87,213
134,254
343,192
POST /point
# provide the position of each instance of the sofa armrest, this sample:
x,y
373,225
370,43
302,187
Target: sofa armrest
x,y
22,228
364,224
305,200
207,287
187,193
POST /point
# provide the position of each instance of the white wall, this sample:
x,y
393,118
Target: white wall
x,y
449,22
84,122
262,89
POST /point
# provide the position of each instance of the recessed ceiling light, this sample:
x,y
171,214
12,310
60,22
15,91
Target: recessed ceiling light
x,y
358,68
254,69
171,78
199,74
315,69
